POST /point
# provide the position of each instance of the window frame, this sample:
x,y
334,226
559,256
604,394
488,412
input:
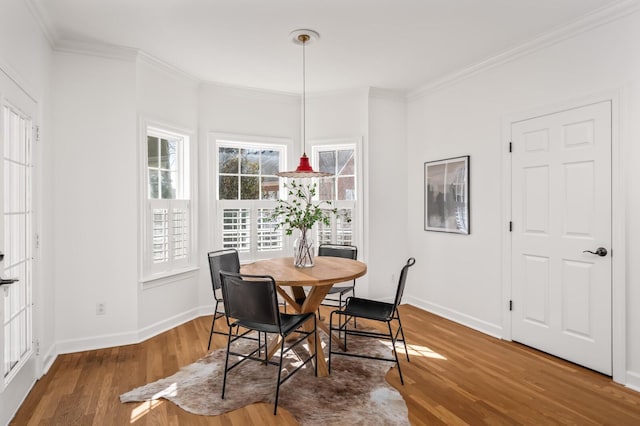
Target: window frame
x,y
217,140
150,273
357,205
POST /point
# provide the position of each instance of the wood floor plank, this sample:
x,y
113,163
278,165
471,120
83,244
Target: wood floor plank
x,y
456,376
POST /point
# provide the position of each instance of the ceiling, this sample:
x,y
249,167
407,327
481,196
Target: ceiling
x,y
391,44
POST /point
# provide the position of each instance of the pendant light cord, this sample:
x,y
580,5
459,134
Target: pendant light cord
x,y
304,101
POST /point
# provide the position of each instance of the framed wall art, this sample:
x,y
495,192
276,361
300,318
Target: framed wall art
x,y
446,195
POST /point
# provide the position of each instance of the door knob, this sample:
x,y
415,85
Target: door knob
x,y
600,251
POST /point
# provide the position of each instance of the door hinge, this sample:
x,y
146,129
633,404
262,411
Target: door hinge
x,y
510,146
36,346
511,305
37,240
36,133
510,226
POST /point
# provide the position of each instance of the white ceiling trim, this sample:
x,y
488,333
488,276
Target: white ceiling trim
x,y
167,67
13,75
587,23
389,94
43,20
253,92
96,49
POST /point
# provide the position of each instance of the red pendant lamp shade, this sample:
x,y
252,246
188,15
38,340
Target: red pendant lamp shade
x,y
304,165
304,169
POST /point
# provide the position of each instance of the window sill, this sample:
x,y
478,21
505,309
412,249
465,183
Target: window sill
x,y
158,280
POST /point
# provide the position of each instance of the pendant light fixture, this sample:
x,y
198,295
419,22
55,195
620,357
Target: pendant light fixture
x,y
304,170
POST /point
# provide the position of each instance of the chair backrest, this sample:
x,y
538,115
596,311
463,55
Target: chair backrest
x,y
250,298
338,250
403,279
222,260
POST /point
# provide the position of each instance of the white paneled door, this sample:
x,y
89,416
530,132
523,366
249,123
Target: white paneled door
x,y
17,357
561,211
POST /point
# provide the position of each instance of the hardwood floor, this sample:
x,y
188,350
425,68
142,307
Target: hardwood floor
x,y
456,376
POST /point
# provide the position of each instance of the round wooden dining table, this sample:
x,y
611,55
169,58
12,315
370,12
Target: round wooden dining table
x,y
319,278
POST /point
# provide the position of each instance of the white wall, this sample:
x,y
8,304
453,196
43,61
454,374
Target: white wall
x,y
95,206
167,97
462,274
386,236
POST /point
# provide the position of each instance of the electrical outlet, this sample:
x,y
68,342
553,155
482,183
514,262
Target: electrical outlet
x,y
101,308
393,278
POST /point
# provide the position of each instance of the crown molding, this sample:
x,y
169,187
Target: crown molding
x,y
584,24
388,94
14,76
166,67
252,92
100,50
43,20
359,91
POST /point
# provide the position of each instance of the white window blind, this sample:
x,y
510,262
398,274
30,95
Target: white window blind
x,y
247,187
168,219
340,189
236,229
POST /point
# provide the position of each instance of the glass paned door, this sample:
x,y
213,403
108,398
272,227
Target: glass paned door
x,y
17,242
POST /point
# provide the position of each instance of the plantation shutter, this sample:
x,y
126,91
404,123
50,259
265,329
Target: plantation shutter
x,y
170,231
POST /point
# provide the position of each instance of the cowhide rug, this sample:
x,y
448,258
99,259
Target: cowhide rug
x,y
355,393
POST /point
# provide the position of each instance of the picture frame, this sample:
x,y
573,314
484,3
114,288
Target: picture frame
x,y
446,195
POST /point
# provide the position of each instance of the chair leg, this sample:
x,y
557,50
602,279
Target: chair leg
x,y
275,404
266,349
395,352
345,336
353,293
213,323
226,363
342,323
259,343
330,339
315,338
404,341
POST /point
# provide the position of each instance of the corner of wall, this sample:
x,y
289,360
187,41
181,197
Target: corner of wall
x,y
477,324
633,381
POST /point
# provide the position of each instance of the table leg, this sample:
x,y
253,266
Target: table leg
x,y
311,304
335,338
273,346
289,300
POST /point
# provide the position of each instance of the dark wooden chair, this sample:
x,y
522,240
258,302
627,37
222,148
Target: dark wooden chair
x,y
376,311
251,304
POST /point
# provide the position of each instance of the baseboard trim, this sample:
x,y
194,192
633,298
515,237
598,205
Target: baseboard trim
x,y
96,342
458,317
633,381
130,337
167,324
48,359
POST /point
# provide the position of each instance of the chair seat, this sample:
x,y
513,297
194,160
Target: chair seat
x,y
370,309
288,322
340,290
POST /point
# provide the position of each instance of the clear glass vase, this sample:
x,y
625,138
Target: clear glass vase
x,y
303,250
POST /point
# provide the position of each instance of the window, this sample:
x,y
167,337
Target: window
x,y
247,189
168,216
16,214
340,189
